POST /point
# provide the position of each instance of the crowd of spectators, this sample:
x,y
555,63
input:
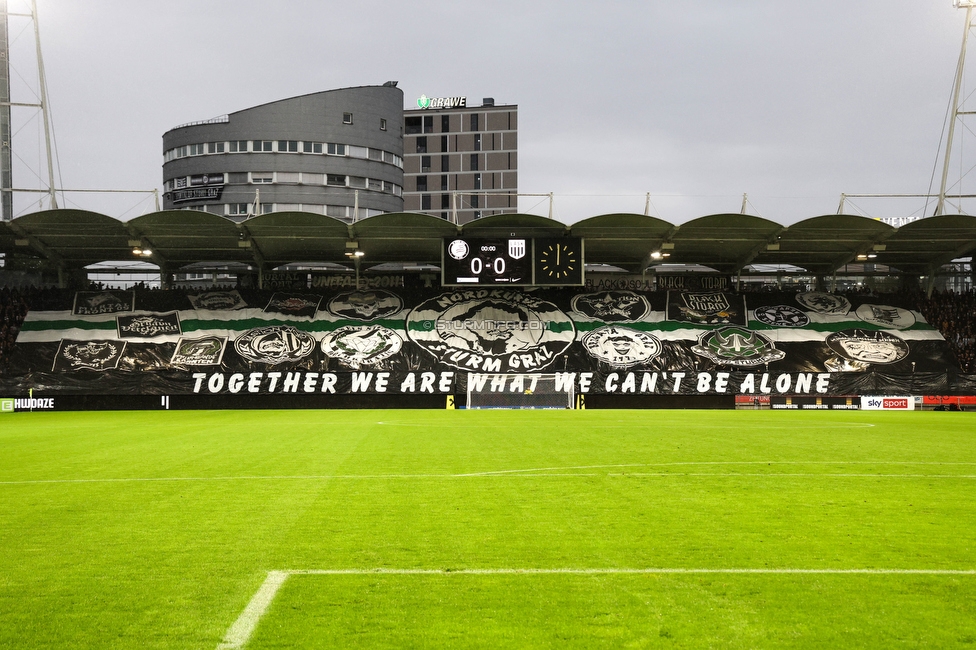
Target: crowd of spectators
x,y
14,304
954,315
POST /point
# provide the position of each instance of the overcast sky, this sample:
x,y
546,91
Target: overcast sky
x,y
694,102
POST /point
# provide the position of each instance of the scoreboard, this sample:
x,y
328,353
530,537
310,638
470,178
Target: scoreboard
x,y
518,261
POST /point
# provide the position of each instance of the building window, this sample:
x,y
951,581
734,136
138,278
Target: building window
x,y
425,164
445,123
444,183
312,147
181,152
474,200
477,181
197,150
425,201
215,147
474,122
357,181
288,145
421,183
262,177
428,123
445,163
266,208
477,142
382,124
337,149
445,201
374,184
337,179
237,208
263,145
474,162
375,154
347,118
238,146
413,125
444,143
422,145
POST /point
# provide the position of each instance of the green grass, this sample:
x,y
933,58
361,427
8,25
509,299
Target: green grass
x,y
154,530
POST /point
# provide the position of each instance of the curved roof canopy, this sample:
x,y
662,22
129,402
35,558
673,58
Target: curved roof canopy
x,y
73,239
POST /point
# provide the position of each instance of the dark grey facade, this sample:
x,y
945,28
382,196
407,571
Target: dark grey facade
x,y
461,161
326,153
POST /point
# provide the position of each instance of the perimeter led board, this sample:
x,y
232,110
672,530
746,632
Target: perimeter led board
x,y
519,261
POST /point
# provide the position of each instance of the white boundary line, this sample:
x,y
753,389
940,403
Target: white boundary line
x,y
241,630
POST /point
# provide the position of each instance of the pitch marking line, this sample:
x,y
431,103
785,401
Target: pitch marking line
x,y
241,630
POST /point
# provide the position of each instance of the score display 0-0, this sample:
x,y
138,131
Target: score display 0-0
x,y
518,261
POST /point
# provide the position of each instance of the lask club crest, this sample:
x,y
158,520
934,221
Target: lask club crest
x,y
491,330
737,346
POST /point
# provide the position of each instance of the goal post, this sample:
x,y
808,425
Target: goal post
x,y
522,391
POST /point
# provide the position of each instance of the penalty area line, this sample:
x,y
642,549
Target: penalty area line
x,y
241,630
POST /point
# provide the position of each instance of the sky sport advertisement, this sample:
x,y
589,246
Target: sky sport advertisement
x,y
406,340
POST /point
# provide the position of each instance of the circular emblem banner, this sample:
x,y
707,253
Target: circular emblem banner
x,y
491,330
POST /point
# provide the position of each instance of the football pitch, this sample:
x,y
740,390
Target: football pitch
x,y
487,529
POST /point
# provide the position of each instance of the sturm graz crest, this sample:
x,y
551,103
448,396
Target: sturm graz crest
x,y
361,345
621,347
737,346
365,305
781,316
274,344
611,306
217,300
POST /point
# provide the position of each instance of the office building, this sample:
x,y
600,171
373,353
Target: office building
x,y
336,152
460,162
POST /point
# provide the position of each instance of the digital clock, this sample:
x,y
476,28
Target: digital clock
x,y
469,261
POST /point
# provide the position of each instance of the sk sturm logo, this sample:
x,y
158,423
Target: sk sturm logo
x,y
781,316
204,351
856,349
423,102
148,326
458,249
218,300
621,347
274,344
365,305
491,330
361,345
824,303
88,355
611,306
885,316
737,346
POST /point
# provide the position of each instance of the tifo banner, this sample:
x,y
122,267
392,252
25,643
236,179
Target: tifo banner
x,y
405,339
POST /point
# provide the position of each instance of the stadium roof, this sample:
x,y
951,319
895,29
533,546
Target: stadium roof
x,y
73,239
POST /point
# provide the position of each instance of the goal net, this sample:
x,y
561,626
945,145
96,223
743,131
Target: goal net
x,y
522,391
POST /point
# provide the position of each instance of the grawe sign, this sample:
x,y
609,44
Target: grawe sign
x,y
441,102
